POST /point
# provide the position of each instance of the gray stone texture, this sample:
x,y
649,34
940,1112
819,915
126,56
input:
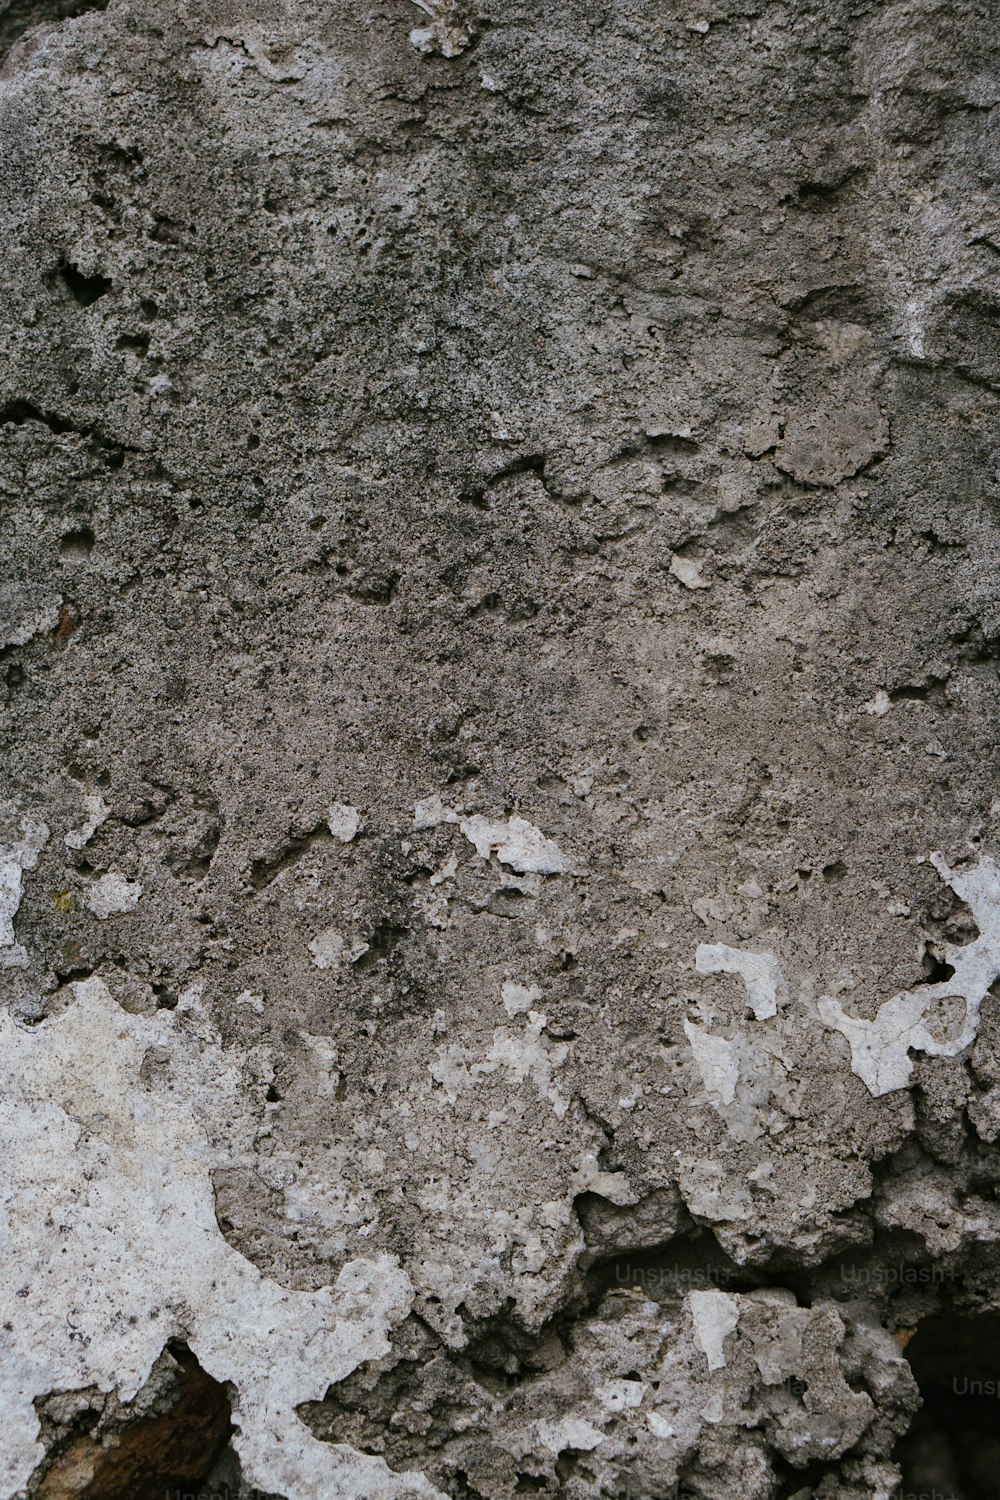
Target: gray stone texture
x,y
492,500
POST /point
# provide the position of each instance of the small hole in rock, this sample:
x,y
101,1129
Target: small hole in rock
x,y
84,289
76,546
138,343
935,970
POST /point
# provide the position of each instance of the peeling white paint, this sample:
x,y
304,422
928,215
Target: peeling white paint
x,y
111,1247
514,841
446,33
615,1186
113,894
517,843
714,1409
448,871
621,1395
96,812
518,997
531,1055
571,1432
528,1054
343,821
716,1060
760,973
327,948
659,1426
880,1048
15,858
715,1316
430,812
879,705
327,1059
687,572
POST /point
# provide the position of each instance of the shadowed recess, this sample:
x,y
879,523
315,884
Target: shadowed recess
x,y
953,1445
156,1454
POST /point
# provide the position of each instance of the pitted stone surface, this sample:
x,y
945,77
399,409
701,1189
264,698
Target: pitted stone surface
x,y
499,608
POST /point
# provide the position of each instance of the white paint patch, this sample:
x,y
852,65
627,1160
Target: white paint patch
x,y
913,319
327,948
527,1055
571,1432
517,843
446,33
880,1048
343,821
615,1186
659,1426
530,1055
111,1247
687,572
448,871
326,1062
714,1409
431,812
621,1395
760,973
715,1316
112,894
518,998
15,858
716,1060
96,812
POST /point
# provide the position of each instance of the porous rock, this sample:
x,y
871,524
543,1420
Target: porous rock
x,y
498,681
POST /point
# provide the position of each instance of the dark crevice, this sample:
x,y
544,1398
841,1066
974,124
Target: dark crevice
x,y
953,1444
157,1453
76,545
530,463
690,1261
931,691
17,413
672,445
263,871
935,970
795,1483
85,290
381,942
137,343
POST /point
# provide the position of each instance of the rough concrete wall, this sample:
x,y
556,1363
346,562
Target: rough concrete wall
x,y
499,621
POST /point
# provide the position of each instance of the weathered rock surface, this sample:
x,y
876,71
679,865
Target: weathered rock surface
x,y
499,624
